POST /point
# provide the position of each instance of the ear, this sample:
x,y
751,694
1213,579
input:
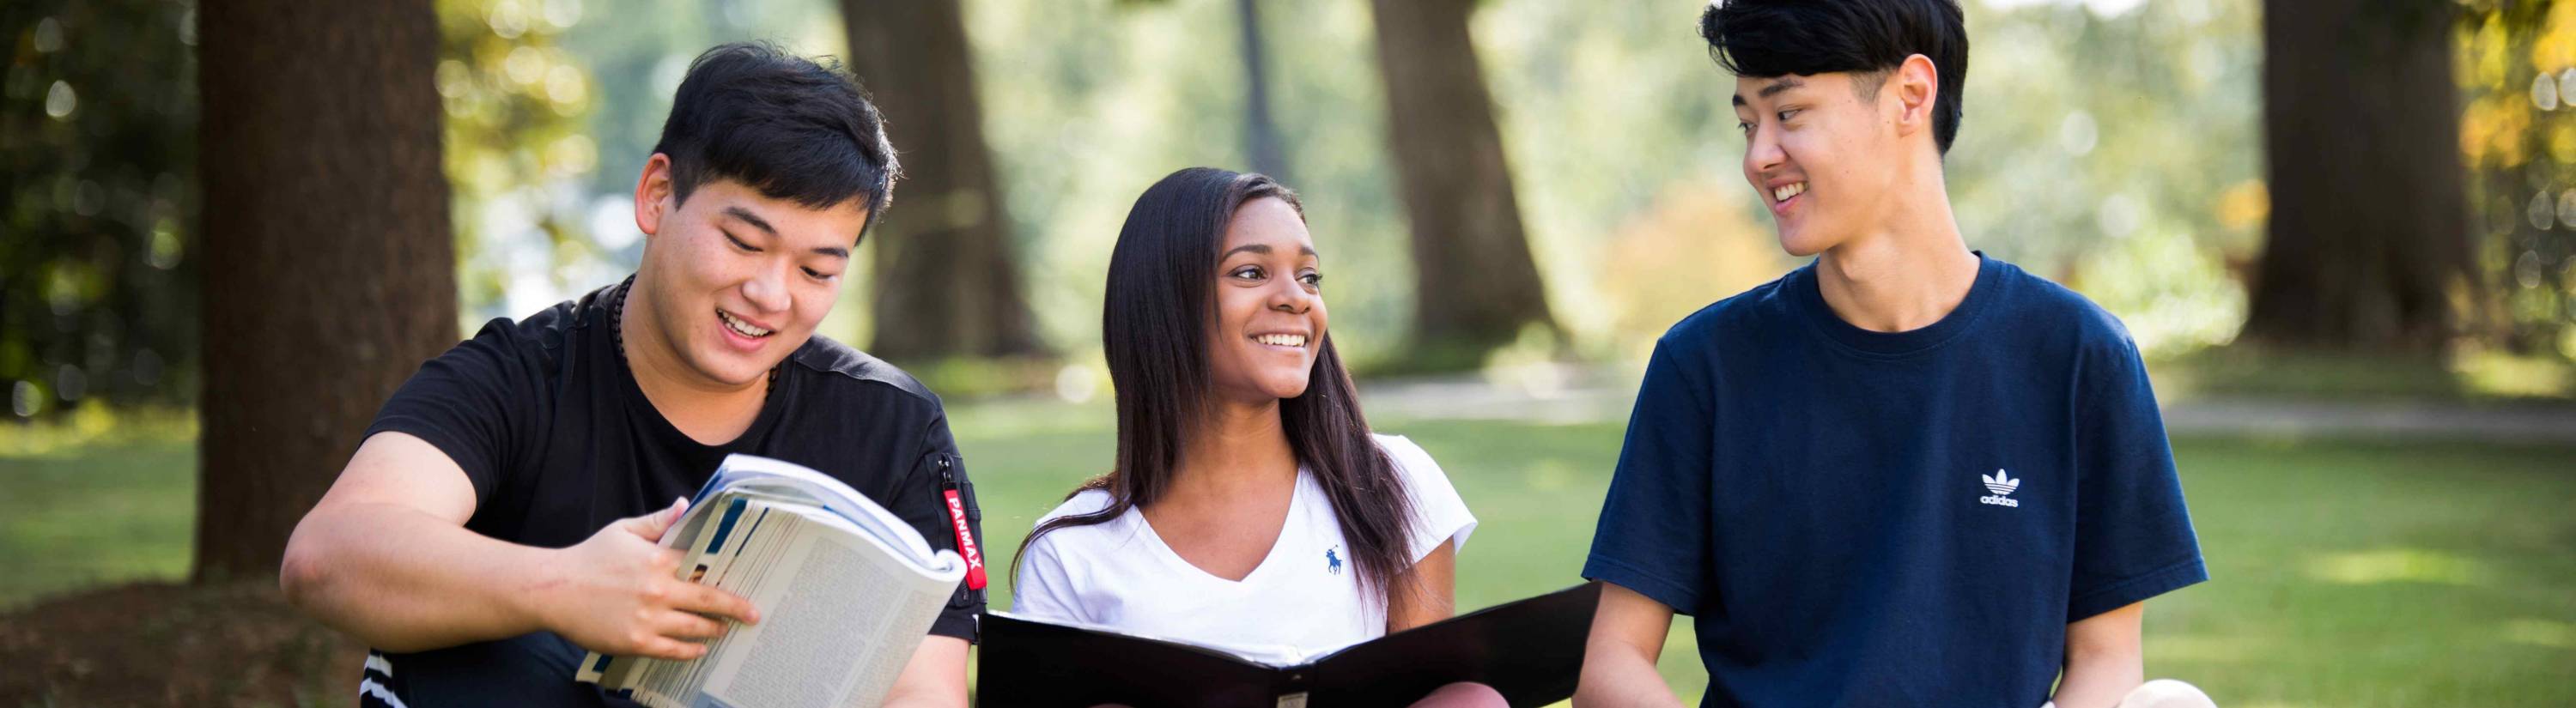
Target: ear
x,y
654,198
1915,85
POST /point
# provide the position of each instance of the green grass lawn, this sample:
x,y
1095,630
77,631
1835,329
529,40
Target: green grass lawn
x,y
2346,573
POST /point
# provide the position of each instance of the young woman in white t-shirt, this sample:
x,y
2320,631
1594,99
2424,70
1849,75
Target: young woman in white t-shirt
x,y
1251,507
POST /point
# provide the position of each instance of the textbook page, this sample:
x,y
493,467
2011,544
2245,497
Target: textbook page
x,y
813,634
847,592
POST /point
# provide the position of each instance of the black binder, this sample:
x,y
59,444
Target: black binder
x,y
1529,650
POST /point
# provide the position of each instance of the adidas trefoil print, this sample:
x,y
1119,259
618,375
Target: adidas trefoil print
x,y
2002,485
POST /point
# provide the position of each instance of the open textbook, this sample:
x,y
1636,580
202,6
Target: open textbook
x,y
845,589
1531,651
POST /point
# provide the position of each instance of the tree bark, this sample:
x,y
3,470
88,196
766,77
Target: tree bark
x,y
1475,284
2368,232
945,281
329,270
1260,134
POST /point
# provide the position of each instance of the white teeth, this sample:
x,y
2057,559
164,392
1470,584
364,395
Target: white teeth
x,y
1786,191
1284,340
741,327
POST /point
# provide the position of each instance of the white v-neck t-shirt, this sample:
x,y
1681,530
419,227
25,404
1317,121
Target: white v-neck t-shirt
x,y
1302,600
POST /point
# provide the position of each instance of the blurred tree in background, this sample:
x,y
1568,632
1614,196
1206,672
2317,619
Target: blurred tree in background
x,y
2368,245
98,269
2111,144
945,279
1475,285
1260,134
329,268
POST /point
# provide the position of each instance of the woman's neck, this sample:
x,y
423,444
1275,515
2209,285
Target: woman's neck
x,y
1239,447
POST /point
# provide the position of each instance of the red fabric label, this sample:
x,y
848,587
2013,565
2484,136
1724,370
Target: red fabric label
x,y
966,542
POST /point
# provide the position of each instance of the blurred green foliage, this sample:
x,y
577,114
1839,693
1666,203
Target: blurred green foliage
x,y
2110,145
2516,66
2120,154
517,150
2112,149
98,115
2115,150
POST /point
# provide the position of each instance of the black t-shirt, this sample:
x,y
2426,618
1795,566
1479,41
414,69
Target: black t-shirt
x,y
558,440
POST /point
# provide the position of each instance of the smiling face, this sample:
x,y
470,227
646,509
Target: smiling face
x,y
1820,154
735,280
1269,314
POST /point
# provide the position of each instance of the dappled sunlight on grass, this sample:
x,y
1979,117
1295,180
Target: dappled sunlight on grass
x,y
2201,648
2358,573
2400,565
101,512
2540,632
2509,375
2345,574
2471,374
1028,415
1549,475
94,424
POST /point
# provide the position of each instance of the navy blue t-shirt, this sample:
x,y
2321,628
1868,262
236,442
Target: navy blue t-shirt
x,y
1862,518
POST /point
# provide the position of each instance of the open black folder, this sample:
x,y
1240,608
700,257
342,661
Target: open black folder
x,y
1530,651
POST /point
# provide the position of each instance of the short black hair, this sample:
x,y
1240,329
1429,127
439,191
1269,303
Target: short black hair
x,y
791,127
1774,38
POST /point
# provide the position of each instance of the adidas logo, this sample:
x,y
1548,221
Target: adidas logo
x,y
2002,485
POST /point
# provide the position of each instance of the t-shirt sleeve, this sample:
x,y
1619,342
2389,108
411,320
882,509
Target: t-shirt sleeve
x,y
922,501
2133,536
1653,537
472,403
1043,588
1439,513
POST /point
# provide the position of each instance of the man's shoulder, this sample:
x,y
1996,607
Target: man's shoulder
x,y
1756,309
543,335
521,354
844,370
2040,305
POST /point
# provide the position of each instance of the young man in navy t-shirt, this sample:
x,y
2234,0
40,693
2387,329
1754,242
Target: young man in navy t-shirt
x,y
1906,473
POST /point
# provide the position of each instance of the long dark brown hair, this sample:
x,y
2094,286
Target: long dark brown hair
x,y
1154,330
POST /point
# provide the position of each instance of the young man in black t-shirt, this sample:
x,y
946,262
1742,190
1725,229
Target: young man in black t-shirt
x,y
500,517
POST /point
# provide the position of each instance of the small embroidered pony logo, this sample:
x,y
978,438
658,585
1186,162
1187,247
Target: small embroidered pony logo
x,y
1333,561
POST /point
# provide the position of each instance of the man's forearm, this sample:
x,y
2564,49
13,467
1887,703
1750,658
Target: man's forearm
x,y
2099,680
935,676
402,580
923,701
1617,676
2105,658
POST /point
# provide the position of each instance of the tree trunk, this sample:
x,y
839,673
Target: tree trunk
x,y
1475,285
2369,214
944,280
329,270
1260,135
